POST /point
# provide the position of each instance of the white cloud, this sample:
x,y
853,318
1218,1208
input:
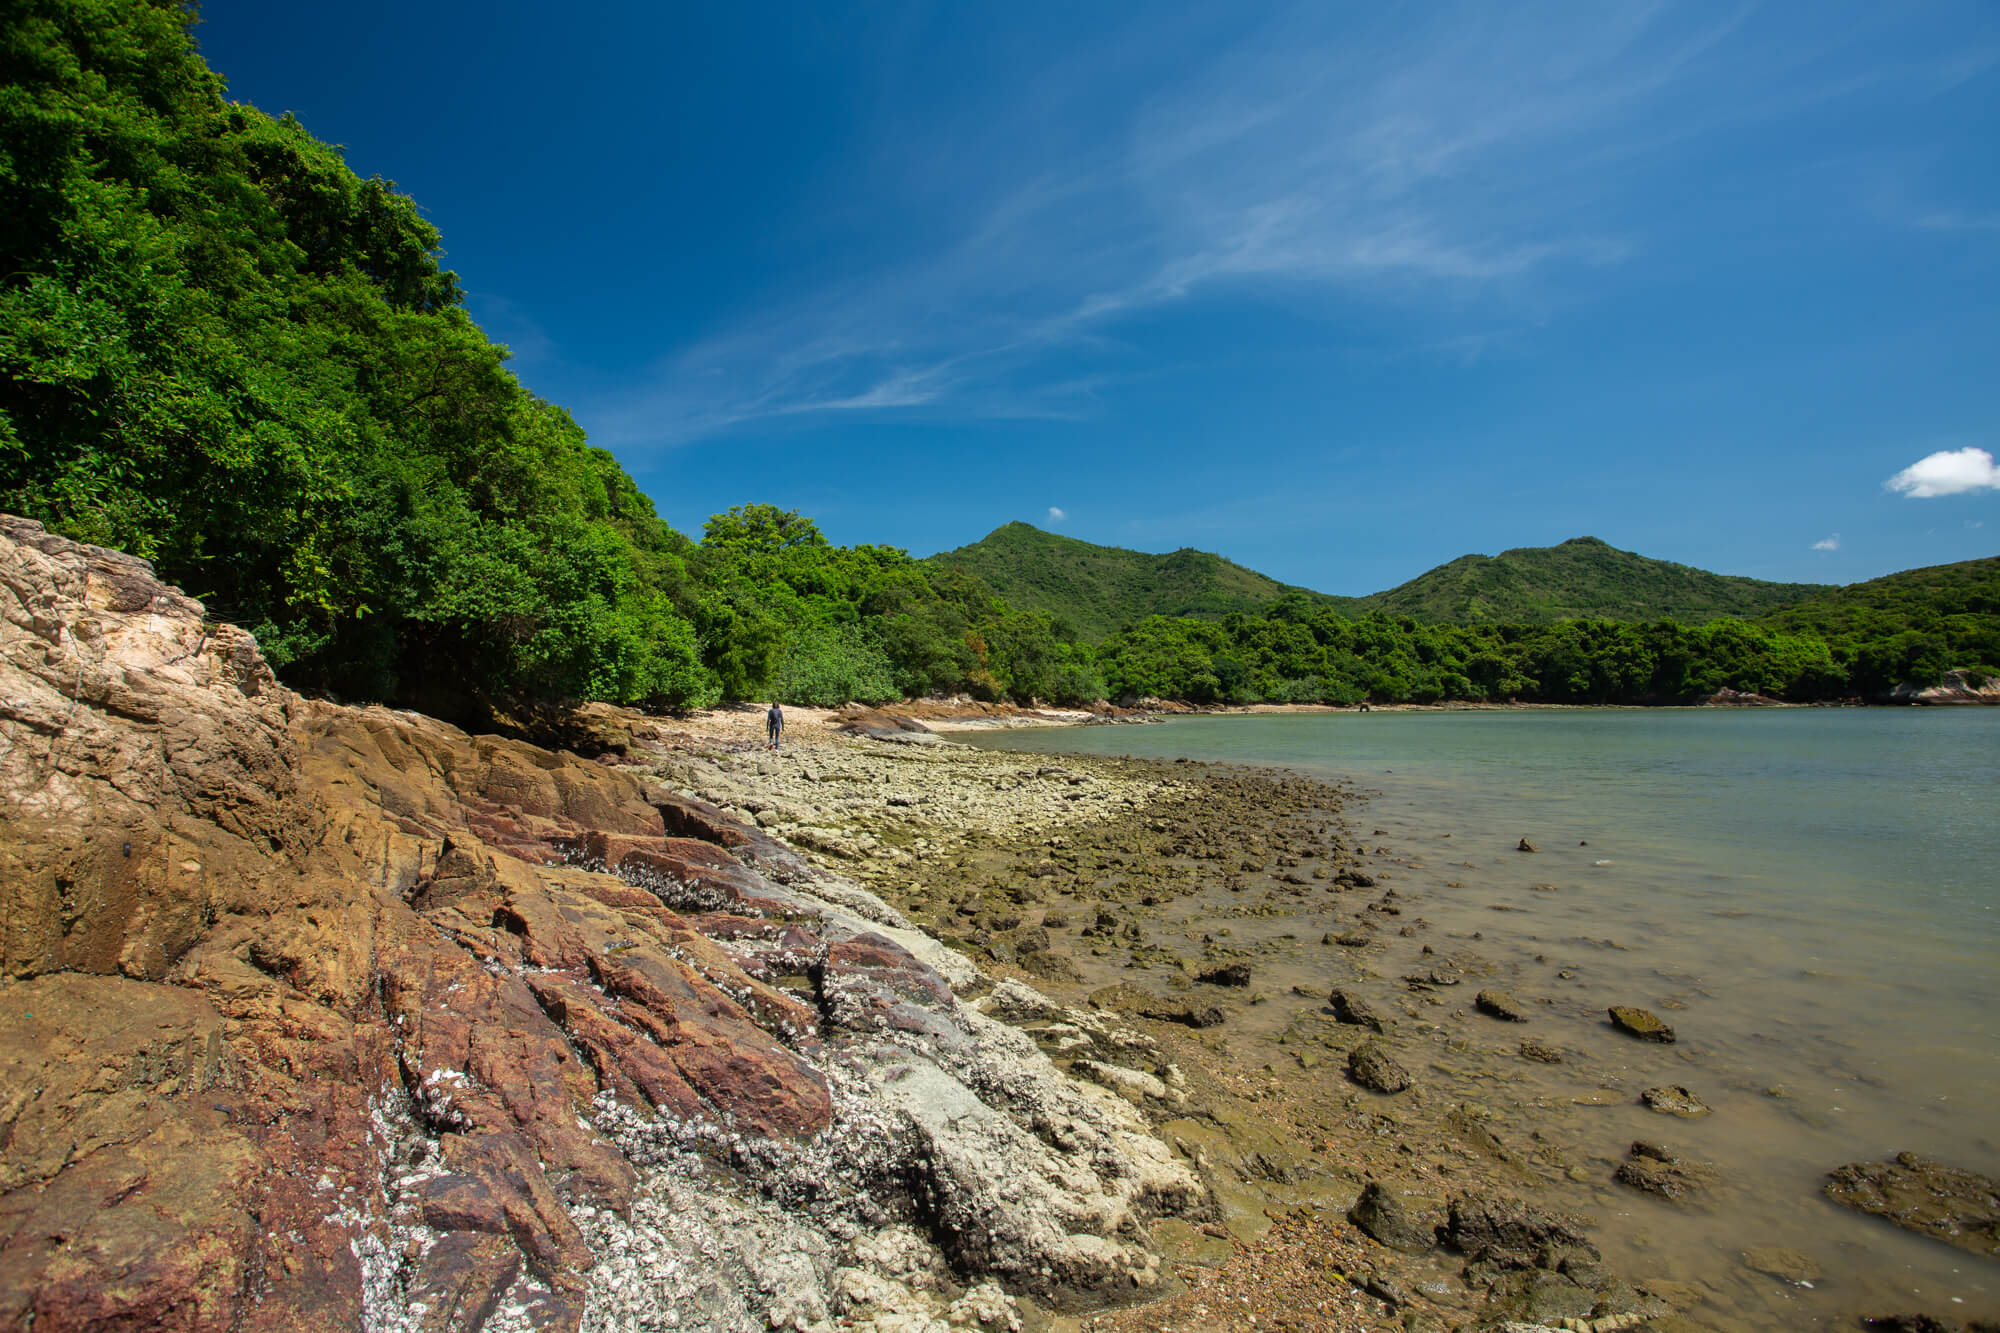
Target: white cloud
x,y
1827,543
1947,472
1057,515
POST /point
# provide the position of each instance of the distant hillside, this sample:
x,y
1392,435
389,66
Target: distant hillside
x,y
1096,589
1907,626
1582,579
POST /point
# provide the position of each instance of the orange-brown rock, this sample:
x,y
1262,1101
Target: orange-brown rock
x,y
302,1004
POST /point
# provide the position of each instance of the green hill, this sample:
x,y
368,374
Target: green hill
x,y
1907,626
1093,590
1582,579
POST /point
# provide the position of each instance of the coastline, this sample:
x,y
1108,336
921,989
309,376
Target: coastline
x,y
1004,855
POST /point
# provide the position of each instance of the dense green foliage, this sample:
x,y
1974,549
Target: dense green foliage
x,y
1091,591
1298,654
1908,626
223,350
784,612
1582,579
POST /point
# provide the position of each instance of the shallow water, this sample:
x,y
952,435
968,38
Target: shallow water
x,y
1811,897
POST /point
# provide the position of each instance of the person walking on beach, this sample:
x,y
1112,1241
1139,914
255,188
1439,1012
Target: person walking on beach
x,y
774,724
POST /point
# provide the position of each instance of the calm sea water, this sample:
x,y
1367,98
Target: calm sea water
x,y
1811,895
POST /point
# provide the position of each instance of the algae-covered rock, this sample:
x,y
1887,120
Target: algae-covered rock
x,y
1640,1023
1499,1004
1674,1100
1946,1203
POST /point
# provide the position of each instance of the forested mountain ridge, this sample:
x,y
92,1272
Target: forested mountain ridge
x,y
1093,590
1581,579
1099,589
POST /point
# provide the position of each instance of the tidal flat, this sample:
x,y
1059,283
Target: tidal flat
x,y
1332,917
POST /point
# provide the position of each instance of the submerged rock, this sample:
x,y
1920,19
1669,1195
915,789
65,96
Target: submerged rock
x,y
1499,1004
1231,974
1780,1262
1674,1100
1534,1050
1371,1065
1640,1023
1946,1203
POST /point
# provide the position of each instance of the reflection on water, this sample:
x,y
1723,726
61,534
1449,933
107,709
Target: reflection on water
x,y
1812,897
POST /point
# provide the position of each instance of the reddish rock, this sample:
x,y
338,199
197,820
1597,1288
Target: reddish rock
x,y
265,953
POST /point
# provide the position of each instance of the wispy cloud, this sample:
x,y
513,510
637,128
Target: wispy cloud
x,y
1057,515
1469,159
1827,543
1947,472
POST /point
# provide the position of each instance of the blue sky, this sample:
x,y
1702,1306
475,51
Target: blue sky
x,y
1341,291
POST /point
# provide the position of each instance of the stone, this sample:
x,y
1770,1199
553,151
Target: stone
x,y
1381,1213
1780,1262
1919,1194
1531,1049
1371,1065
1660,1171
1674,1100
1352,939
1640,1023
1231,974
1527,846
1349,1007
1499,1004
1507,1233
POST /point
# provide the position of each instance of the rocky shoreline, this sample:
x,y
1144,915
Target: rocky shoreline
x,y
316,1017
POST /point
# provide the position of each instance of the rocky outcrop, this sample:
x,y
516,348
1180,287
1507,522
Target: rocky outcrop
x,y
316,1017
1955,687
1946,1203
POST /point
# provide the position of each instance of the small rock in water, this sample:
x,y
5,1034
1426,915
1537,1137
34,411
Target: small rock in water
x,y
1371,1065
1674,1100
1640,1023
1499,1004
1534,1050
1780,1262
1661,1171
1527,846
1351,1008
1232,974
